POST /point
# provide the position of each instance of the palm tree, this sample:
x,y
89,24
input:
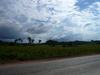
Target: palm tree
x,y
29,39
39,41
19,40
92,42
32,40
15,41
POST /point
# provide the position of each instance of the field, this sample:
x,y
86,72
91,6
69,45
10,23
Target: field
x,y
22,53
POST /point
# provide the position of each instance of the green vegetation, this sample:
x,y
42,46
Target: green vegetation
x,y
22,53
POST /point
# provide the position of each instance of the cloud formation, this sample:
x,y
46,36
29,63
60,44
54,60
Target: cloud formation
x,y
38,29
64,20
10,32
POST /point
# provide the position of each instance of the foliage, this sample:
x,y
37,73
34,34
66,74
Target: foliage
x,y
39,41
29,39
51,42
21,53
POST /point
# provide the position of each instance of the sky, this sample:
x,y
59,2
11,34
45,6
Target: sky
x,y
60,20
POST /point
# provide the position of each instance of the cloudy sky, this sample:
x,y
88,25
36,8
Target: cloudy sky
x,y
61,20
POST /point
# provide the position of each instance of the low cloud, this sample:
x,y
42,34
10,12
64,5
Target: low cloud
x,y
69,37
10,32
40,29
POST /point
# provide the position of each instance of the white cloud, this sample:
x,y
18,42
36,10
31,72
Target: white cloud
x,y
59,8
29,14
87,16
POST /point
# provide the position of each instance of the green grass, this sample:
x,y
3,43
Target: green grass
x,y
22,53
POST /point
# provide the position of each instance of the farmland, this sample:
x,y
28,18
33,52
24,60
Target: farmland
x,y
23,53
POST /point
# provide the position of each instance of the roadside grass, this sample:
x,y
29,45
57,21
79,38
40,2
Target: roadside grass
x,y
23,53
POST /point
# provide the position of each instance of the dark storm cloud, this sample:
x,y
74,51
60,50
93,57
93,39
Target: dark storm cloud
x,y
10,32
37,30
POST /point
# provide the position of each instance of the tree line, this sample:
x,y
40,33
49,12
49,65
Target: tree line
x,y
50,42
30,40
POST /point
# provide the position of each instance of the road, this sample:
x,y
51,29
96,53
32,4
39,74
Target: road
x,y
88,65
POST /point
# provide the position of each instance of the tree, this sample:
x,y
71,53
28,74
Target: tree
x,y
29,39
32,40
39,41
15,40
92,42
51,42
19,40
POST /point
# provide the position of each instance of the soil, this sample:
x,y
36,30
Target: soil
x,y
42,60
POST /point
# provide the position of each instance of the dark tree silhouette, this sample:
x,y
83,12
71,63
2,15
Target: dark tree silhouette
x,y
51,42
29,39
92,42
40,41
32,40
15,40
19,40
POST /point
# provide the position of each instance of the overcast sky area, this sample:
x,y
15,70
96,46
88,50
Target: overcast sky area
x,y
61,20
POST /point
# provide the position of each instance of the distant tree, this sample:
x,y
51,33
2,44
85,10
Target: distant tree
x,y
92,42
29,39
51,42
19,40
40,41
15,41
32,40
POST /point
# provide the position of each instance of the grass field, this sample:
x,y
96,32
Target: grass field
x,y
22,53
